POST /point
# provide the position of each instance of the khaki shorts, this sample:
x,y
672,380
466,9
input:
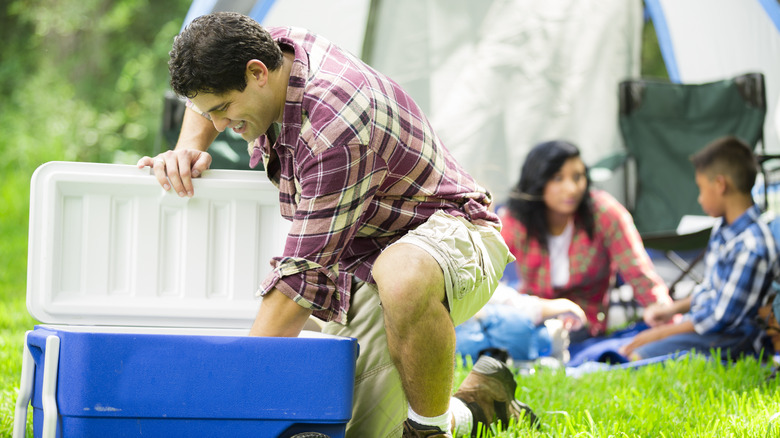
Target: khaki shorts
x,y
473,259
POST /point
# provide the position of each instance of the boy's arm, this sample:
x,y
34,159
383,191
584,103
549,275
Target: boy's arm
x,y
743,276
655,334
657,314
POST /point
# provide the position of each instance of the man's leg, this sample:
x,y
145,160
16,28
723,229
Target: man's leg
x,y
379,404
444,257
420,333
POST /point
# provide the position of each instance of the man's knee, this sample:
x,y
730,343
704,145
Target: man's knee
x,y
406,275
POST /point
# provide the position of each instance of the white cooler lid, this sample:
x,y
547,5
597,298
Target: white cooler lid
x,y
108,246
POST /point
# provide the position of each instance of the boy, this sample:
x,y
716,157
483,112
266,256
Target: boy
x,y
721,311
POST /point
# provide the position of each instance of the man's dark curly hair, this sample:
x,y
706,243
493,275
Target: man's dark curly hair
x,y
211,53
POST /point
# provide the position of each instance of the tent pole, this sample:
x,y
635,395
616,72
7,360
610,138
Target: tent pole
x,y
369,36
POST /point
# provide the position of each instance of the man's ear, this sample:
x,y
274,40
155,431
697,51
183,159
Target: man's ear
x,y
257,71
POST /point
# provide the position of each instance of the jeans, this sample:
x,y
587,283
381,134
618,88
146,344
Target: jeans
x,y
499,326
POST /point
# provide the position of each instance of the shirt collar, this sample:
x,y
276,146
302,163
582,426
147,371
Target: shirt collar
x,y
747,218
292,117
299,74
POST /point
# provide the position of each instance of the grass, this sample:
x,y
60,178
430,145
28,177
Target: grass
x,y
14,319
689,397
692,397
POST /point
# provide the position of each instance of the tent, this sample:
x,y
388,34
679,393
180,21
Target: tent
x,y
498,76
703,41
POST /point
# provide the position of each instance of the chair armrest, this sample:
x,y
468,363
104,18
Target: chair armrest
x,y
603,169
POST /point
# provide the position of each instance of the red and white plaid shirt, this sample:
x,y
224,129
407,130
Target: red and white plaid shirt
x,y
593,263
357,165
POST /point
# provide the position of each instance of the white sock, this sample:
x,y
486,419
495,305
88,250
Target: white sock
x,y
443,421
464,419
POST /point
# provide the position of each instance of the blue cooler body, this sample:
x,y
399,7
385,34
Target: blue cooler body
x,y
150,339
131,384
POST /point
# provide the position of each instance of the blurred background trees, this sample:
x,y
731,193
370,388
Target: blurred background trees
x,y
80,80
83,80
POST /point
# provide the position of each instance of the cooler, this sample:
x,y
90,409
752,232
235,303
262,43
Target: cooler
x,y
146,300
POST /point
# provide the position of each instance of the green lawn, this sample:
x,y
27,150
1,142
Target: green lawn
x,y
690,397
14,319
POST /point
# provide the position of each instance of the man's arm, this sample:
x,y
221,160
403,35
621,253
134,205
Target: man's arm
x,y
279,316
197,132
188,159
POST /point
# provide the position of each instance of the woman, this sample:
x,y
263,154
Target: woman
x,y
570,240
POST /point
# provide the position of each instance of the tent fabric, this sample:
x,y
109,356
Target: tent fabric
x,y
345,28
496,77
772,8
709,40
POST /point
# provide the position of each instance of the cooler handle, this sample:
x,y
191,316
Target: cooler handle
x,y
25,391
50,346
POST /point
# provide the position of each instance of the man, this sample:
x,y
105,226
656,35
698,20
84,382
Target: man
x,y
391,241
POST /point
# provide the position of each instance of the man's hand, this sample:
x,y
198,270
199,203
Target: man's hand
x,y
178,167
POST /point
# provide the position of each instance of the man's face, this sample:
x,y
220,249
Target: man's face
x,y
249,112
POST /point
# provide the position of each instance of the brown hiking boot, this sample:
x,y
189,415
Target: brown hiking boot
x,y
489,392
414,430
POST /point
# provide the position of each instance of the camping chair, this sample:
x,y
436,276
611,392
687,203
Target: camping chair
x,y
662,124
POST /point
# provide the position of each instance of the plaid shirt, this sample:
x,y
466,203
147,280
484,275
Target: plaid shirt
x,y
593,263
357,165
739,262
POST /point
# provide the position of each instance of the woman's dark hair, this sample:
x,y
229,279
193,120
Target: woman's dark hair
x,y
211,53
526,200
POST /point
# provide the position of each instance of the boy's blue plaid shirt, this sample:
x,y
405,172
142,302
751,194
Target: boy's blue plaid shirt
x,y
739,264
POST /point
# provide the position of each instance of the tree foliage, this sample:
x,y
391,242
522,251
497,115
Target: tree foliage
x,y
83,80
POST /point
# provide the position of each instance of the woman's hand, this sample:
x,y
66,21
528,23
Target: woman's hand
x,y
569,312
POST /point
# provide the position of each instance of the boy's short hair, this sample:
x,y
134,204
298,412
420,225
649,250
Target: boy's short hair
x,y
731,157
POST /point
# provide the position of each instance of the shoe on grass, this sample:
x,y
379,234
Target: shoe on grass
x,y
489,392
415,430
